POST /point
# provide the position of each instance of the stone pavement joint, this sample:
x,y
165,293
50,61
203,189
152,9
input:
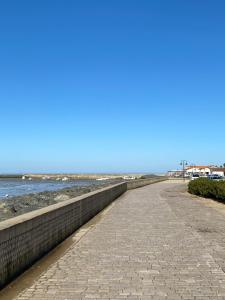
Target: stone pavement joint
x,y
143,248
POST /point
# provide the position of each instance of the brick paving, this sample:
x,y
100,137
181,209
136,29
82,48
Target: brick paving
x,y
147,246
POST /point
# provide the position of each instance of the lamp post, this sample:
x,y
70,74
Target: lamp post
x,y
193,165
183,163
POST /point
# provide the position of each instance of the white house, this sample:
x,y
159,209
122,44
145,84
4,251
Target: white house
x,y
175,173
218,171
201,170
205,170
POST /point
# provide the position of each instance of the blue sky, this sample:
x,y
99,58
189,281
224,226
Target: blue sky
x,y
111,86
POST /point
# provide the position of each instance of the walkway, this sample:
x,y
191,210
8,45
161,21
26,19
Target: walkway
x,y
156,242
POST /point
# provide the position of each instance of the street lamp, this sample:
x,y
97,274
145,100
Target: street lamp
x,y
183,163
193,166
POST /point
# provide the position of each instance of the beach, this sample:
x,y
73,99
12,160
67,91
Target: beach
x,y
12,206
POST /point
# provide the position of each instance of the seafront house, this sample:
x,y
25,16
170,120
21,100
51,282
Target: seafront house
x,y
218,171
189,170
200,170
205,170
175,173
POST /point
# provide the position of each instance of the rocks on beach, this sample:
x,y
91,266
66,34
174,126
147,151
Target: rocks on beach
x,y
14,206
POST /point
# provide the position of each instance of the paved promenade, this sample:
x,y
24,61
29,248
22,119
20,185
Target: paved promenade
x,y
156,242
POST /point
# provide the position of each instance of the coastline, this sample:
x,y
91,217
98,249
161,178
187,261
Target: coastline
x,y
72,176
17,205
10,176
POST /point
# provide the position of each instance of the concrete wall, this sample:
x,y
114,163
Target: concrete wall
x,y
26,238
134,184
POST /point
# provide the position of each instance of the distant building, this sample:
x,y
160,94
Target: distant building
x,y
175,173
205,170
128,177
200,170
218,171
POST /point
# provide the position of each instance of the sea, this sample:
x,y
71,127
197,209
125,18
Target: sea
x,y
18,187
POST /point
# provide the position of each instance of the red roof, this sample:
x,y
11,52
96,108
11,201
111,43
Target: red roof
x,y
218,169
198,167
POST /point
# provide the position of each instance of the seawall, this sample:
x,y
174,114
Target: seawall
x,y
134,184
26,238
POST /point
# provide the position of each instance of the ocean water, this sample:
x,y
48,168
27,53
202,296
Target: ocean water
x,y
17,187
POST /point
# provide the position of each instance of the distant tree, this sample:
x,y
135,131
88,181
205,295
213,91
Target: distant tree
x,y
224,165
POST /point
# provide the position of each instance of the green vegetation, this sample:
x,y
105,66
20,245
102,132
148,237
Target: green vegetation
x,y
149,176
8,176
207,188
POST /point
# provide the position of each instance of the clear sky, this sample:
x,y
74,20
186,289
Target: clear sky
x,y
111,86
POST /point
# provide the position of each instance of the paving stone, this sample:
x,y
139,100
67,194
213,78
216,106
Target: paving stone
x,y
156,242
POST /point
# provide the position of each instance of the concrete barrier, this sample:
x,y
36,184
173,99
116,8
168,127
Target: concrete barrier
x,y
134,184
26,238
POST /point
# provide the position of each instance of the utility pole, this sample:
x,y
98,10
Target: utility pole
x,y
193,165
183,163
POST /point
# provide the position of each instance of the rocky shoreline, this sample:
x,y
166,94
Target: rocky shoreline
x,y
14,206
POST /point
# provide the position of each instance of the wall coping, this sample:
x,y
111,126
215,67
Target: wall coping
x,y
50,208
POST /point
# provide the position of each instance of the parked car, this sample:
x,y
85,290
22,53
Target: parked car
x,y
194,176
215,177
204,176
